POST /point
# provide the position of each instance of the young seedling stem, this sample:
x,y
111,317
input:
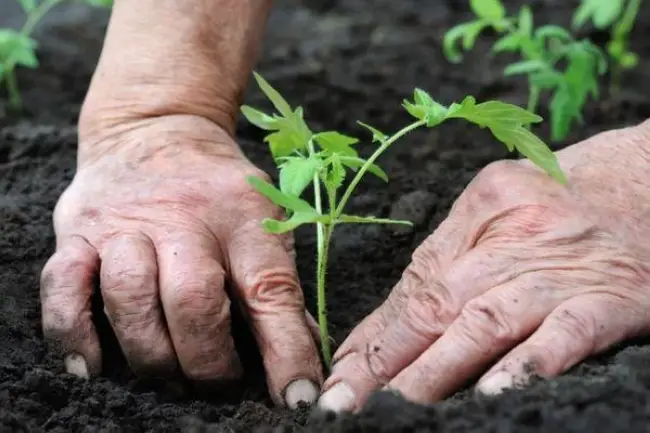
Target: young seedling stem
x,y
322,159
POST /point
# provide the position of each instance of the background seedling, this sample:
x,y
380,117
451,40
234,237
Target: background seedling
x,y
619,16
324,159
17,48
543,51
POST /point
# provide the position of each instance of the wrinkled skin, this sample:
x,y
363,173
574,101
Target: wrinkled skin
x,y
525,277
168,229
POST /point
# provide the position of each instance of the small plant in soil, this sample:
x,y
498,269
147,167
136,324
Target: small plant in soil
x,y
18,48
324,159
551,58
619,17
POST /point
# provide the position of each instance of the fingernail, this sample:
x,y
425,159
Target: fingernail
x,y
339,398
496,383
76,364
300,391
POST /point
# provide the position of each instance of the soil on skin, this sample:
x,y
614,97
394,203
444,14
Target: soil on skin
x,y
343,61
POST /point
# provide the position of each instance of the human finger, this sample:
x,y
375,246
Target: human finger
x,y
197,307
427,313
266,281
578,328
66,287
129,285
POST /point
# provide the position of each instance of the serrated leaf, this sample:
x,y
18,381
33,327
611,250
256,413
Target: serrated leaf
x,y
356,163
293,203
296,174
425,108
27,5
377,135
494,113
259,118
371,220
296,220
530,146
545,79
335,174
524,67
274,96
490,10
468,32
335,142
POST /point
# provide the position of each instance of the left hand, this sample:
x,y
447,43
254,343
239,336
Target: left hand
x,y
525,276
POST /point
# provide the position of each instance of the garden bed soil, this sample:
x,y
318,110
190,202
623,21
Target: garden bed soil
x,y
343,61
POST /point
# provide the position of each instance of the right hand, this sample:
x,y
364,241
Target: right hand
x,y
161,214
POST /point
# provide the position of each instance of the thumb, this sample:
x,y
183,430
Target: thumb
x,y
267,285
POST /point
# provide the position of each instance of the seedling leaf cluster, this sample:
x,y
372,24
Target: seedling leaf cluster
x,y
325,160
550,57
18,48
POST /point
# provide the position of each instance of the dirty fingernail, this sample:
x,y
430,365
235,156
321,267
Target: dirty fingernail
x,y
339,398
300,391
496,383
76,364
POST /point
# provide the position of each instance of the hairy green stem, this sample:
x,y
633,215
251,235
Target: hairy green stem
x,y
37,14
12,89
364,168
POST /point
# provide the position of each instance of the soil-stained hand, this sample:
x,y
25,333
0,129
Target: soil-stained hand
x,y
163,218
525,277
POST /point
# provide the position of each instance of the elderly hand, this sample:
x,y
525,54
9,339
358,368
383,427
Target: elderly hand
x,y
161,215
525,277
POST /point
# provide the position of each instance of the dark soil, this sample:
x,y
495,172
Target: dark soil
x,y
345,60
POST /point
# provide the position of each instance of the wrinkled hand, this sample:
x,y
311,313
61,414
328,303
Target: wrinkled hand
x,y
161,214
525,277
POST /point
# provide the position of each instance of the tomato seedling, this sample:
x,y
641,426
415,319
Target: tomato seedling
x,y
542,50
619,16
18,48
323,159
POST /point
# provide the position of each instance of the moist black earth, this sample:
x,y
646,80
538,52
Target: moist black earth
x,y
344,61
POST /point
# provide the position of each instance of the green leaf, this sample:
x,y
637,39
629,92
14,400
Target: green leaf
x,y
425,108
490,10
494,113
286,201
27,5
602,13
335,174
296,220
508,43
377,135
371,220
259,119
545,79
296,173
335,142
526,22
274,96
469,32
629,60
551,31
356,163
17,49
525,67
530,146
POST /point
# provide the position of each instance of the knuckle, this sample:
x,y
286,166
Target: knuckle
x,y
577,325
65,269
493,179
129,276
274,287
198,294
482,321
427,312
